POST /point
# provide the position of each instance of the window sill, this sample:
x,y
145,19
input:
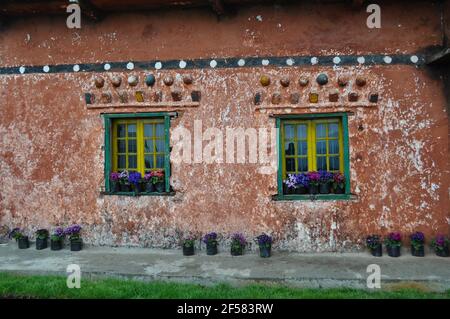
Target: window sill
x,y
138,194
308,197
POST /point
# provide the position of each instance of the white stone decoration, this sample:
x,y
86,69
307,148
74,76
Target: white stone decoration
x,y
130,65
241,62
76,68
314,60
46,68
414,59
336,60
361,60
22,69
290,61
182,64
265,62
107,66
158,65
213,63
387,59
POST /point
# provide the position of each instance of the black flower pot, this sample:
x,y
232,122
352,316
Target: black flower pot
x,y
23,242
393,251
56,244
443,253
300,190
377,252
264,251
115,187
211,249
324,188
149,187
339,190
41,243
160,187
125,187
313,189
418,252
288,190
76,245
237,251
188,250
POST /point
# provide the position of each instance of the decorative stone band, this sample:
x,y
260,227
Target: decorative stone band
x,y
216,63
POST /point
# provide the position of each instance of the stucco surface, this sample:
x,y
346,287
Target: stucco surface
x,y
52,160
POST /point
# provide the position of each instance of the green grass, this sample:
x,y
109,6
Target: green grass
x,y
13,285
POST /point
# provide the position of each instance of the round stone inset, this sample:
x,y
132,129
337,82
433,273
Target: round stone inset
x,y
322,79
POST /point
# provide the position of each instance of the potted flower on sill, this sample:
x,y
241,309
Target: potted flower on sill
x,y
41,239
76,243
326,178
114,178
134,178
374,244
210,240
188,245
125,185
314,179
265,245
417,244
393,243
149,186
56,239
238,244
302,182
158,180
441,245
338,183
290,184
21,239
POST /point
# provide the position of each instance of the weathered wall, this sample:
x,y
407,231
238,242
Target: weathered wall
x,y
51,157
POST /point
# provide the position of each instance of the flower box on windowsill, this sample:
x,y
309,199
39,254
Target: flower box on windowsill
x,y
171,193
306,197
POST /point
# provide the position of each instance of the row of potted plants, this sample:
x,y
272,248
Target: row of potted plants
x,y
393,243
56,238
238,243
321,182
134,182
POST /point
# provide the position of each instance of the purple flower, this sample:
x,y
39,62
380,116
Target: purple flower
x,y
264,240
114,176
210,237
418,237
238,239
134,177
302,180
441,242
314,178
325,177
373,241
393,239
291,181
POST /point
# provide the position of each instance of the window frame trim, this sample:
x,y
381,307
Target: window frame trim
x,y
108,119
346,149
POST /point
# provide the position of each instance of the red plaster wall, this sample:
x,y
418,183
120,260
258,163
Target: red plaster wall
x,y
51,157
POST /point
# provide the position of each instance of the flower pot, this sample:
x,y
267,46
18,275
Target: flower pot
x,y
393,251
160,187
300,190
56,244
339,190
324,188
23,242
313,189
264,251
211,249
125,187
418,252
377,252
76,245
149,187
237,251
288,190
443,253
188,250
115,186
41,243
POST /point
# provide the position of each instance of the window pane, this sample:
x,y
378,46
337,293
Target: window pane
x,y
289,148
333,130
132,146
159,129
160,161
302,148
333,147
121,130
132,161
121,146
148,146
148,130
288,131
321,163
321,147
321,130
131,130
290,165
160,146
334,163
302,164
149,161
121,162
301,132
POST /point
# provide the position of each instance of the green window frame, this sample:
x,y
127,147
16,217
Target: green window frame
x,y
110,149
309,121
